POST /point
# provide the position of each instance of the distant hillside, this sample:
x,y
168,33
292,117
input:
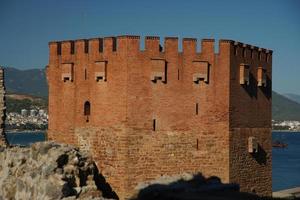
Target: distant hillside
x,y
284,108
294,97
15,102
32,81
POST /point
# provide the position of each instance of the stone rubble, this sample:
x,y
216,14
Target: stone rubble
x,y
48,171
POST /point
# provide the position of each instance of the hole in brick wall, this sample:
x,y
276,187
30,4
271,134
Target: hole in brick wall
x,y
197,106
58,48
114,45
197,144
154,124
160,48
235,49
86,46
244,52
178,74
100,44
87,110
85,74
72,47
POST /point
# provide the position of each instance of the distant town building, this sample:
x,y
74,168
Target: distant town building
x,y
41,112
24,112
33,112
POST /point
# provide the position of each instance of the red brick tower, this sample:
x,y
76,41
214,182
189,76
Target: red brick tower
x,y
158,111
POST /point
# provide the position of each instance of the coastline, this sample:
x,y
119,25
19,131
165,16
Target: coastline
x,y
287,131
24,131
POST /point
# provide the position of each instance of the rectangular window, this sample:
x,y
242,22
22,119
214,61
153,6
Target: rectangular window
x,y
59,48
100,44
201,71
261,77
159,70
178,74
114,47
197,107
100,71
154,124
244,74
86,46
235,49
72,47
244,52
67,72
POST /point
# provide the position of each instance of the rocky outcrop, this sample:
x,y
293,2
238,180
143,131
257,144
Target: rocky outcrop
x,y
49,170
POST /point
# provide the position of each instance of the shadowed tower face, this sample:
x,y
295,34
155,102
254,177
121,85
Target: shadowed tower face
x,y
147,113
3,140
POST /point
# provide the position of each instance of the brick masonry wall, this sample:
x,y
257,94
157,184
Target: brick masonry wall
x,y
3,141
120,131
250,115
128,157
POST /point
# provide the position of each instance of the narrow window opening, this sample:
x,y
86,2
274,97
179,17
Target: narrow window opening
x,y
178,74
154,124
58,48
244,52
86,46
160,48
100,44
114,40
197,144
85,74
235,49
87,110
72,47
197,106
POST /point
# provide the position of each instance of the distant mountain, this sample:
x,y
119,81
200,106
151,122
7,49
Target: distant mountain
x,y
294,97
31,81
284,108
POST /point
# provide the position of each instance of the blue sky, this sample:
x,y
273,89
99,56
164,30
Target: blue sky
x,y
26,27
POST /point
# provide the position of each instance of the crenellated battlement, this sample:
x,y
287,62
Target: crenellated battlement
x,y
152,44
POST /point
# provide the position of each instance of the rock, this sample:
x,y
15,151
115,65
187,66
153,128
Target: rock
x,y
47,170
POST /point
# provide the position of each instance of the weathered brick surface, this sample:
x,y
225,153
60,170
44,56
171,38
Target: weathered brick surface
x,y
3,141
250,115
199,127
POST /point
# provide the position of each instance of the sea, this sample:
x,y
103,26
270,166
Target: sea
x,y
285,161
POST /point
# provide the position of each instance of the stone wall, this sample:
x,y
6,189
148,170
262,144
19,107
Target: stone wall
x,y
50,171
3,141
